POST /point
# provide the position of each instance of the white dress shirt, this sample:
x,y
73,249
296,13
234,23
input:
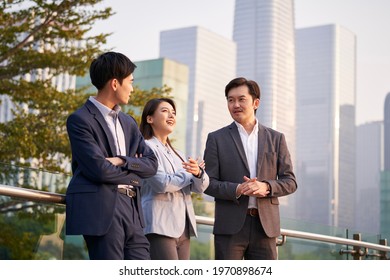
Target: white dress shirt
x,y
251,147
111,117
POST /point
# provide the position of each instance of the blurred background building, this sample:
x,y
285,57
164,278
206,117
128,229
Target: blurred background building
x,y
326,96
211,61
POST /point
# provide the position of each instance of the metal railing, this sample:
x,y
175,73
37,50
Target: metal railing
x,y
32,195
360,248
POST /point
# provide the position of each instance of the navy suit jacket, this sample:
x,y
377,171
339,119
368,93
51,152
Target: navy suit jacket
x,y
226,165
92,192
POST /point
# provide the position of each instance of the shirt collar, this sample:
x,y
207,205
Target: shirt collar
x,y
241,129
103,108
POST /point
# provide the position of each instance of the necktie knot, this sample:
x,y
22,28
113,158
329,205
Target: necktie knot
x,y
113,114
119,140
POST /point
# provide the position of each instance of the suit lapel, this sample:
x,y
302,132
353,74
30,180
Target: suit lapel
x,y
237,141
262,136
100,119
162,151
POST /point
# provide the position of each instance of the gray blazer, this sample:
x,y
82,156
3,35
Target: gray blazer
x,y
166,197
226,164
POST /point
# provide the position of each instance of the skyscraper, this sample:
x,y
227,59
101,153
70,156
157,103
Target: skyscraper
x,y
156,73
387,132
211,61
326,94
369,163
385,176
264,33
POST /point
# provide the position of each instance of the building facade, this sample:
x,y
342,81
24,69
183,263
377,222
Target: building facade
x,y
211,62
385,176
369,163
264,33
326,97
156,73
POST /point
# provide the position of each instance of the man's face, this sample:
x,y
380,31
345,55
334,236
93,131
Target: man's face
x,y
241,104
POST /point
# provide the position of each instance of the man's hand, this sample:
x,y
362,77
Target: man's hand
x,y
117,161
252,187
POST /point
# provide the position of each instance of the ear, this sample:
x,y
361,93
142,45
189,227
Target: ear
x,y
114,84
149,119
256,103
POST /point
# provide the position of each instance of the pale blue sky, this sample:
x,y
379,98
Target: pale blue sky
x,y
136,28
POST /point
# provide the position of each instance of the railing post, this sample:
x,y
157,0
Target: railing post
x,y
357,251
383,254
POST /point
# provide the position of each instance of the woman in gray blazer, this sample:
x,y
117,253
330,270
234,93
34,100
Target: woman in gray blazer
x,y
166,197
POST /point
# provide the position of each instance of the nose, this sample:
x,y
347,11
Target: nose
x,y
236,104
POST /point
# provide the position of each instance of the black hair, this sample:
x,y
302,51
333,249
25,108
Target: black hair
x,y
253,87
110,65
149,109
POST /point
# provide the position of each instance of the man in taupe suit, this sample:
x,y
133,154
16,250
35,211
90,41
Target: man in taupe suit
x,y
249,166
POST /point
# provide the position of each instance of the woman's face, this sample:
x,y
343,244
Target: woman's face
x,y
163,121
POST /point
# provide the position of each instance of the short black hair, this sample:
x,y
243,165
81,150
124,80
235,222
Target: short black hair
x,y
254,89
110,65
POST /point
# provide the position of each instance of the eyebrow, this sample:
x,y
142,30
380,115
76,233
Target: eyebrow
x,y
167,108
240,96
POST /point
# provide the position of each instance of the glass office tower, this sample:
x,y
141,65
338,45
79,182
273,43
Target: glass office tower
x,y
369,164
211,61
155,73
264,33
385,176
326,96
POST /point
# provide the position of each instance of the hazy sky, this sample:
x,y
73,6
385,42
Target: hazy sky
x,y
136,29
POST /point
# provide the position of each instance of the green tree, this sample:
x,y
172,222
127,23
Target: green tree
x,y
39,40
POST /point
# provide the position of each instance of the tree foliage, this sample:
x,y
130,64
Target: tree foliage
x,y
40,40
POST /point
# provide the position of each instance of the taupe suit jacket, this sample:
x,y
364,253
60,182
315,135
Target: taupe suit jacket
x,y
226,164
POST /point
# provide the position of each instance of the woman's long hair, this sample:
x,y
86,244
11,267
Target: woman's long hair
x,y
149,109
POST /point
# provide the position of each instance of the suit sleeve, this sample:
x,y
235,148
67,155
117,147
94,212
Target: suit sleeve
x,y
144,163
285,182
89,154
217,189
168,182
199,185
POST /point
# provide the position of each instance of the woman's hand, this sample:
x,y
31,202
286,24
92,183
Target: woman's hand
x,y
192,166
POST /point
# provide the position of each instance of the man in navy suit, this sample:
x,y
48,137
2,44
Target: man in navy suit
x,y
109,160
